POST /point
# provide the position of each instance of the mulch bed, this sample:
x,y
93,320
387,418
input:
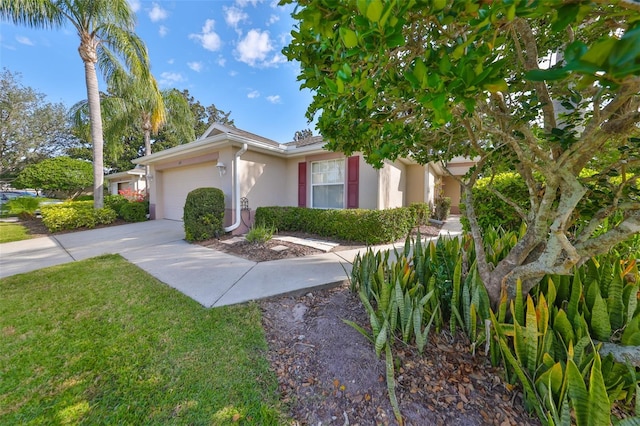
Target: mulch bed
x,y
329,374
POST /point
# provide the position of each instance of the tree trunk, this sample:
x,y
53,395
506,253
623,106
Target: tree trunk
x,y
95,116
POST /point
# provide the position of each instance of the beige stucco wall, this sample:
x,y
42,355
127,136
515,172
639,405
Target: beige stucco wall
x,y
263,180
368,185
392,185
415,184
451,189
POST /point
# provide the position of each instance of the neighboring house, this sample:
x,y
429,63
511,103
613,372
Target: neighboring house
x,y
254,171
133,179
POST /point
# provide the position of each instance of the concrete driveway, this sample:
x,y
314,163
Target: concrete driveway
x,y
210,277
29,255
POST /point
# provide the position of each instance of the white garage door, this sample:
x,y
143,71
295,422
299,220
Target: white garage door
x,y
178,182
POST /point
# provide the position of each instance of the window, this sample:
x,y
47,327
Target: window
x,y
327,184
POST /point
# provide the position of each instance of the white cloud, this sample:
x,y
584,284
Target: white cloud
x,y
24,40
222,61
233,73
135,5
233,16
254,48
157,13
171,61
244,3
195,66
273,19
274,99
170,78
253,94
163,30
208,38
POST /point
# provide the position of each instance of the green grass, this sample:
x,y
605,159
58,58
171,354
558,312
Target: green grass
x,y
102,342
12,232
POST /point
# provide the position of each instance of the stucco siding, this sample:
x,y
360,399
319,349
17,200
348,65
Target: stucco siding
x,y
368,185
451,189
392,186
415,184
263,180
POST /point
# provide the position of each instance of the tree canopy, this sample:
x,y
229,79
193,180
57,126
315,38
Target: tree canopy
x,y
31,129
65,175
548,89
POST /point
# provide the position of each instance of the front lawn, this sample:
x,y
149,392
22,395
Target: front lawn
x,y
12,232
102,342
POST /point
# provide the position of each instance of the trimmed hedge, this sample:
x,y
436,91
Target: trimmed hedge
x,y
134,211
358,225
74,215
204,214
115,202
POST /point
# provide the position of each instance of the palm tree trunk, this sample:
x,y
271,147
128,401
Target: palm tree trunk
x,y
95,115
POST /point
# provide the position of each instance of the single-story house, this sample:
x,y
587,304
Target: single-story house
x,y
254,171
133,179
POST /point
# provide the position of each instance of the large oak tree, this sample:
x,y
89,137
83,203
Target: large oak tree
x,y
547,88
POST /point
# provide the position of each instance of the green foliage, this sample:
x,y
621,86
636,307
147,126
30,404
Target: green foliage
x,y
420,212
493,212
260,234
545,332
31,129
64,174
115,202
204,214
442,207
366,226
74,215
23,207
134,211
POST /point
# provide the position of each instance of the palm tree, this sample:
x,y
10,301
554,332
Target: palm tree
x,y
133,104
107,38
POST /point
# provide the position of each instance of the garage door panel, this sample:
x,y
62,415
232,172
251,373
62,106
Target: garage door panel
x,y
178,182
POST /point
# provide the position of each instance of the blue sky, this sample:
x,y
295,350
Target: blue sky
x,y
225,52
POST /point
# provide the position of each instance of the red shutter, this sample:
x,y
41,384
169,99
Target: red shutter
x,y
353,177
302,184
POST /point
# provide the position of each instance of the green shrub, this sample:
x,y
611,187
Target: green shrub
x,y
134,211
260,234
23,207
84,198
358,225
115,202
442,208
74,215
420,212
490,210
204,214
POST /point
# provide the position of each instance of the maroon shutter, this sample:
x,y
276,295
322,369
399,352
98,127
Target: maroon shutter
x,y
302,184
353,176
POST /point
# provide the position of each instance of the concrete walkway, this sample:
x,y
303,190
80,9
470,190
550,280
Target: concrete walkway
x,y
210,277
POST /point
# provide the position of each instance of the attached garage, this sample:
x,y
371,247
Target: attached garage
x,y
177,182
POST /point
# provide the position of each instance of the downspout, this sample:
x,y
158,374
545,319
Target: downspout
x,y
235,190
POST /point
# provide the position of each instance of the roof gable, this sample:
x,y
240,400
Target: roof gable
x,y
219,128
